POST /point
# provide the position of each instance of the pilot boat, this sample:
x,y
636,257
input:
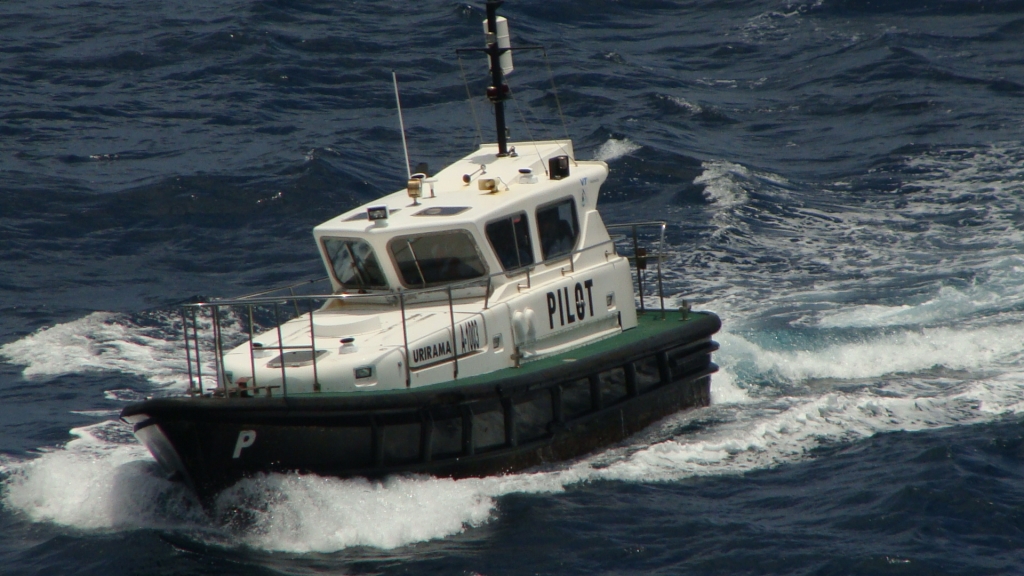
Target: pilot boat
x,y
482,320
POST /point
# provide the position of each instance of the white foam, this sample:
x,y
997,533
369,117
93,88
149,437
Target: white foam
x,y
303,513
613,149
101,480
725,390
105,341
1002,289
900,351
768,437
100,341
953,174
720,183
685,104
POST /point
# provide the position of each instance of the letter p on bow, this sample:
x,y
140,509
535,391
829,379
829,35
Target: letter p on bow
x,y
246,438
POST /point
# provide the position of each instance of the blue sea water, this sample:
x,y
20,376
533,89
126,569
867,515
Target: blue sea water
x,y
843,182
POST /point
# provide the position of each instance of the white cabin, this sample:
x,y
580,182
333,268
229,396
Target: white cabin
x,y
498,262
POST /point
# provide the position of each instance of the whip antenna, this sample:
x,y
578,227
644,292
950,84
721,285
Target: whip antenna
x,y
401,124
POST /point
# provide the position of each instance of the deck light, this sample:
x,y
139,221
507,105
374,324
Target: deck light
x,y
558,167
363,372
374,213
489,185
422,177
348,346
415,189
259,350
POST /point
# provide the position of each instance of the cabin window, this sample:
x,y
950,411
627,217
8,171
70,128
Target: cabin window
x,y
510,238
558,228
354,263
438,258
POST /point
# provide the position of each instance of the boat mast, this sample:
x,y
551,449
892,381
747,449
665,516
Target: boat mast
x,y
497,92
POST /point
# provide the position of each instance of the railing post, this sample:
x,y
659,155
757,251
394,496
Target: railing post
x,y
252,358
195,338
295,301
218,351
636,259
280,348
455,343
312,345
188,354
661,251
405,339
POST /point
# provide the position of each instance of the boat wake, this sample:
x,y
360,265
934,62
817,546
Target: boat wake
x,y
771,407
879,343
144,344
103,480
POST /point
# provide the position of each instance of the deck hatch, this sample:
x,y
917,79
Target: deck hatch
x,y
442,211
296,359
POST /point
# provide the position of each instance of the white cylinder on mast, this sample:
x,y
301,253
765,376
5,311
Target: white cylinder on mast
x,y
501,23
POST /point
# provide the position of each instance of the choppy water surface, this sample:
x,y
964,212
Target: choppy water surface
x,y
844,183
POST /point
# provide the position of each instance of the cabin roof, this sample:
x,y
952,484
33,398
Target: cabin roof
x,y
457,203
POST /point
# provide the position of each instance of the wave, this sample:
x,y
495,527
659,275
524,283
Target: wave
x,y
98,342
613,149
885,354
999,290
144,344
101,480
723,183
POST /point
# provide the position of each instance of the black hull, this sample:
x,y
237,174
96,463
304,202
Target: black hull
x,y
516,420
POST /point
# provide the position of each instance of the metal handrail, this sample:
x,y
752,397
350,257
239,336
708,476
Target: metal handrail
x,y
662,225
271,290
396,297
258,298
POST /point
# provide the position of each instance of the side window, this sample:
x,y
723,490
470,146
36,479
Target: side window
x,y
510,238
438,258
558,228
354,263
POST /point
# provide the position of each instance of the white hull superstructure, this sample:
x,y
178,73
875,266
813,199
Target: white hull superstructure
x,y
566,288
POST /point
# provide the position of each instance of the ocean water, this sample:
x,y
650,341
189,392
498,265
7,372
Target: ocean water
x,y
844,186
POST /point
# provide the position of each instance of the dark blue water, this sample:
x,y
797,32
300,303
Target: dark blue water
x,y
844,185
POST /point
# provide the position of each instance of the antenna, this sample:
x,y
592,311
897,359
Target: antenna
x,y
401,124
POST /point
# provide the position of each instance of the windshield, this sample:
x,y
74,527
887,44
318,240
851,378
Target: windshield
x,y
354,263
438,258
